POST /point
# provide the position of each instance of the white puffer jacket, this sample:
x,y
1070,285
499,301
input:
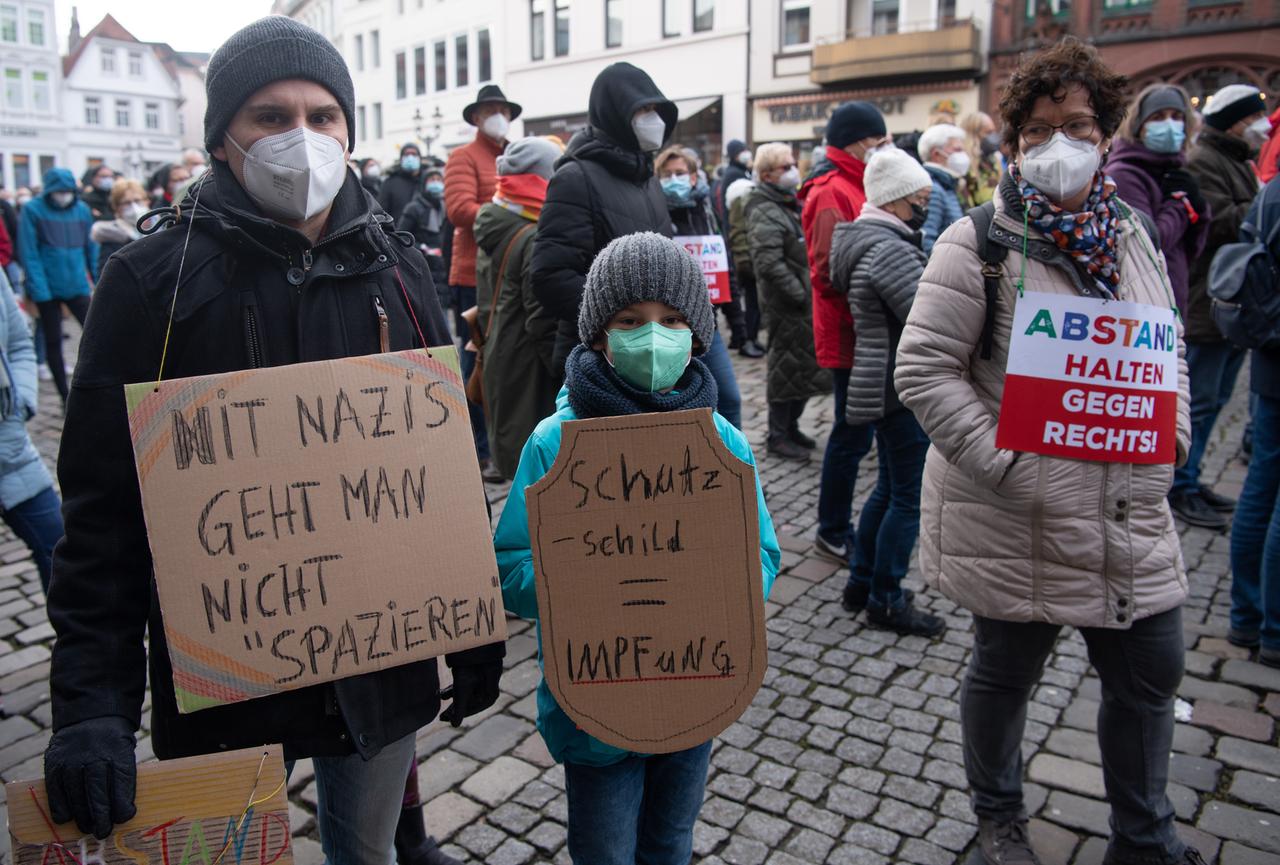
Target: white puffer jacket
x,y
1018,536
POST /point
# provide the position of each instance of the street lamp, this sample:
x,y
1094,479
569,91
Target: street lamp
x,y
427,140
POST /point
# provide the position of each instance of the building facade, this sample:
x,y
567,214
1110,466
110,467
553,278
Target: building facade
x,y
120,103
1203,45
918,60
33,137
695,50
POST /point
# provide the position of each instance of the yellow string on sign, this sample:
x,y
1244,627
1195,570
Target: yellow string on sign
x,y
244,815
173,305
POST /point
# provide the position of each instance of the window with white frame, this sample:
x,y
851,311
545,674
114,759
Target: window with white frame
x,y
420,70
122,113
41,91
152,115
35,26
704,15
795,23
440,61
670,18
92,111
108,60
375,49
612,23
562,27
135,64
13,89
884,17
377,120
484,57
460,70
8,22
402,84
359,52
537,29
361,128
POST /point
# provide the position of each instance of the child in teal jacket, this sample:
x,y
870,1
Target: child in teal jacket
x,y
644,314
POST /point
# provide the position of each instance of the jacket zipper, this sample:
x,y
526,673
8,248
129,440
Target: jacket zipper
x,y
306,261
251,337
384,325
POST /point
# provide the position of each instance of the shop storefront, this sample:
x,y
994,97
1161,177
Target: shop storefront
x,y
801,119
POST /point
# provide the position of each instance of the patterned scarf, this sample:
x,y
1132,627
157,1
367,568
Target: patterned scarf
x,y
595,390
521,193
1089,236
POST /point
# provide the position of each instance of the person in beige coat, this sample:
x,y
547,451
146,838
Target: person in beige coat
x,y
1030,542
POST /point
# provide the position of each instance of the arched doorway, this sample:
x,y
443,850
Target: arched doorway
x,y
1202,79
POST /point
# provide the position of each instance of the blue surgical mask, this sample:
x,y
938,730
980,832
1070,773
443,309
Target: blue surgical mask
x,y
1164,136
410,163
677,188
435,187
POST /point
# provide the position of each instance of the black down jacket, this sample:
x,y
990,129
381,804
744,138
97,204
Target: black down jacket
x,y
254,293
603,188
782,278
879,264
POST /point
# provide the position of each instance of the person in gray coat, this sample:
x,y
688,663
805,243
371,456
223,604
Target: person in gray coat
x,y
878,260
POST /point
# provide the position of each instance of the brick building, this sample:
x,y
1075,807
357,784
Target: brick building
x,y
1201,44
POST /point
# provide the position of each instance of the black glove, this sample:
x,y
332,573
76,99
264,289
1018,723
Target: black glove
x,y
474,689
1181,180
90,775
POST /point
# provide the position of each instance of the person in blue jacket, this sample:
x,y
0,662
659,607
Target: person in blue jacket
x,y
29,505
59,257
643,318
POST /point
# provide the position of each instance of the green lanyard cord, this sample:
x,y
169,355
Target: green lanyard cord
x,y
1022,275
1151,256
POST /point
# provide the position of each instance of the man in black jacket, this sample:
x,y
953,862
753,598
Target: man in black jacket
x,y
272,272
604,187
401,184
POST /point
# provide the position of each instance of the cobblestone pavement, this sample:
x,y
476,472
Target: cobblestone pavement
x,y
850,752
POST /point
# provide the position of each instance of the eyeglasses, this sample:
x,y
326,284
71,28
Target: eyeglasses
x,y
1078,128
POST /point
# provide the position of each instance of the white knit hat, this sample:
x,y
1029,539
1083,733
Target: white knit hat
x,y
892,174
1232,104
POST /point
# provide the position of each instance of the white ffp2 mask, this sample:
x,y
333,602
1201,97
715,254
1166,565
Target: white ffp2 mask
x,y
495,126
295,174
650,130
1060,167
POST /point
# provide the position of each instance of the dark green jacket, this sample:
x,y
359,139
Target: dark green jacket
x,y
781,267
519,376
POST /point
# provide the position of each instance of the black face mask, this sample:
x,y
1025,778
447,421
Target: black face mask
x,y
918,214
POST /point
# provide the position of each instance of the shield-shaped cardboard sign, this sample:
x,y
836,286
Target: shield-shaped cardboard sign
x,y
646,547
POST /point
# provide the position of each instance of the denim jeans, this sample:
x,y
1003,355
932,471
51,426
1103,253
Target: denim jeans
x,y
845,449
1255,532
38,523
729,402
1140,670
464,297
358,803
1212,368
51,328
636,812
890,521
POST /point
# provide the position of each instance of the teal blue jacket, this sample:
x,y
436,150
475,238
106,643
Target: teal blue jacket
x,y
519,593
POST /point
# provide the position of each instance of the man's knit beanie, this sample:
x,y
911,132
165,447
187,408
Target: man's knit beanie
x,y
272,49
852,122
645,266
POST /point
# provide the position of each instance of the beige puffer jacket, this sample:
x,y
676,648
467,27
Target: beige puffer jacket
x,y
1018,536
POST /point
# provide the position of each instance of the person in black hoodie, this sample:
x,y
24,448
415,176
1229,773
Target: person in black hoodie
x,y
265,281
400,185
423,217
604,187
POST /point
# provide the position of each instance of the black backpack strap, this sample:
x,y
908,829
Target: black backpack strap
x,y
992,255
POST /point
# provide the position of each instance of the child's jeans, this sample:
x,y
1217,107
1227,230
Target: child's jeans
x,y
636,812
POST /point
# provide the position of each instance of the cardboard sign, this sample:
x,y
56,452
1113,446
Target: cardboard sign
x,y
1091,380
710,251
313,522
230,809
646,549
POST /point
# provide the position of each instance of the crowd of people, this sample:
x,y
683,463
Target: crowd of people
x,y
886,276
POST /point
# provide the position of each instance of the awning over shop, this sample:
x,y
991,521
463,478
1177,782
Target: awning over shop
x,y
689,107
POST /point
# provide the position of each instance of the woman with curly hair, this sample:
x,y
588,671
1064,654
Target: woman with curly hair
x,y
1030,527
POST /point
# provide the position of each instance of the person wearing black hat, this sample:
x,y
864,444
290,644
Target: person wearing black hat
x,y
470,177
604,187
834,193
282,255
402,182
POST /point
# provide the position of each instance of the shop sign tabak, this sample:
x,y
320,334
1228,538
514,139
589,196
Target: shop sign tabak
x,y
1091,379
313,522
646,549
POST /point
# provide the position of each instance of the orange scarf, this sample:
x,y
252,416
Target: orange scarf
x,y
521,193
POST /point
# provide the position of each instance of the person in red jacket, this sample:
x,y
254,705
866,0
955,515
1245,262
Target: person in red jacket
x,y
470,177
833,194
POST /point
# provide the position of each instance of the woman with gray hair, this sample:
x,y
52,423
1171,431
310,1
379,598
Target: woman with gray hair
x,y
779,259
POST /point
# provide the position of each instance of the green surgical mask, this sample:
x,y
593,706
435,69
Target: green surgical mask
x,y
651,357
